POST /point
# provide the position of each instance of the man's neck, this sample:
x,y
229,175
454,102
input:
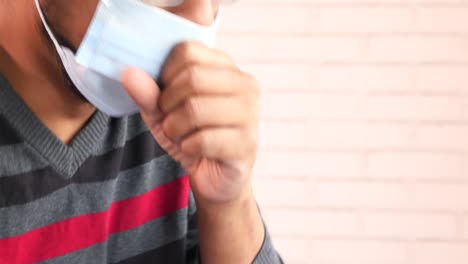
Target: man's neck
x,y
28,62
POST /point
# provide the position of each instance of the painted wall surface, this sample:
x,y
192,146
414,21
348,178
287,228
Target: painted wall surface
x,y
364,133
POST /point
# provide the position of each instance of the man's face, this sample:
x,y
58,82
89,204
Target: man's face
x,y
70,18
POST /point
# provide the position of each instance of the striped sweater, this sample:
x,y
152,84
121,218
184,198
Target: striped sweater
x,y
111,196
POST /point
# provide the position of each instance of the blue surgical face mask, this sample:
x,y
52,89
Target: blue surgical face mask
x,y
125,33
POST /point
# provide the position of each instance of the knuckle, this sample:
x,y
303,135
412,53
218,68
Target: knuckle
x,y
167,126
250,85
192,110
254,115
184,49
243,111
203,141
251,136
251,108
195,145
228,58
224,56
254,85
192,75
163,102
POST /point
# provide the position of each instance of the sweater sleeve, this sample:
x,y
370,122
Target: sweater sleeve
x,y
266,255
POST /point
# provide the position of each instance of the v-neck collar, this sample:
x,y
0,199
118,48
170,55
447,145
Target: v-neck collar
x,y
66,159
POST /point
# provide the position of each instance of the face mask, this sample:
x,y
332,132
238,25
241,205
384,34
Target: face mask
x,y
125,33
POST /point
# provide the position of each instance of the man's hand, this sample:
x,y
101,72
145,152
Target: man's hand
x,y
206,118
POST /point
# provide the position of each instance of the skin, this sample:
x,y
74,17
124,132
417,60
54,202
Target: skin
x,y
206,118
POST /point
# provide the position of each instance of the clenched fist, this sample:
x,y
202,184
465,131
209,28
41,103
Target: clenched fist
x,y
206,117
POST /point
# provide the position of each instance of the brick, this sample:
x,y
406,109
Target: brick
x,y
409,226
307,164
417,49
358,195
465,166
285,135
440,253
441,196
334,2
311,223
346,2
361,252
451,137
465,108
285,77
287,193
294,19
442,19
365,78
366,19
247,48
353,135
419,108
415,165
465,226
442,79
295,106
434,2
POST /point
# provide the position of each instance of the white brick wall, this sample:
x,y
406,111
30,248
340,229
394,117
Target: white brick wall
x,y
364,136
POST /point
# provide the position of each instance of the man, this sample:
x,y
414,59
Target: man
x,y
168,185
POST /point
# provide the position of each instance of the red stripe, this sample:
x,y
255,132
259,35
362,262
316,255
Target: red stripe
x,y
83,231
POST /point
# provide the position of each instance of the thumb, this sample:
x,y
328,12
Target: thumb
x,y
144,91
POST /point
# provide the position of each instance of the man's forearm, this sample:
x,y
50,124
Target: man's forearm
x,y
231,232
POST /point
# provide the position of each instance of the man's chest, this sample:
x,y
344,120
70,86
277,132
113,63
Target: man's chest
x,y
117,203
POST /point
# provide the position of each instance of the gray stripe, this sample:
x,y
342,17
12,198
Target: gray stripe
x,y
127,244
79,199
192,235
124,129
19,158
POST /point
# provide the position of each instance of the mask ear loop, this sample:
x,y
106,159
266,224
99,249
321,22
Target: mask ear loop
x,y
173,3
46,26
163,3
67,57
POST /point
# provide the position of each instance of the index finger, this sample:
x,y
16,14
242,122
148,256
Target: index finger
x,y
192,53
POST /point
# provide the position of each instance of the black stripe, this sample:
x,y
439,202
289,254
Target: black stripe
x,y
173,253
137,151
26,187
7,135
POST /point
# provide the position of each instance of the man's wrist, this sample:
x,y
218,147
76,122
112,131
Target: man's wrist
x,y
231,231
243,199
